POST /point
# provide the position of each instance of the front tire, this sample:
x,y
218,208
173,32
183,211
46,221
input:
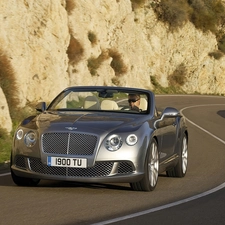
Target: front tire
x,y
149,181
181,168
23,181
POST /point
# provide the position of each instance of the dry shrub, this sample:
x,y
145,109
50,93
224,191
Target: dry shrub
x,y
117,62
115,81
178,77
92,37
95,63
221,44
8,84
207,14
216,54
154,81
137,3
174,13
70,5
75,51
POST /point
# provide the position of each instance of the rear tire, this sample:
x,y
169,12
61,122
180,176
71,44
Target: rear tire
x,y
149,181
181,168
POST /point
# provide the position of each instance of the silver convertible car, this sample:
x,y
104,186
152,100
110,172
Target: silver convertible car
x,y
100,134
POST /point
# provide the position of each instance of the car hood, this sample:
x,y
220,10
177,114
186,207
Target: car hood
x,y
82,122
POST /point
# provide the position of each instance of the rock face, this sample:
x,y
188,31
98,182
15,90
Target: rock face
x,y
5,119
35,35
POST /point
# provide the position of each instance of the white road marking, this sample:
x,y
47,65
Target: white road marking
x,y
162,207
199,126
177,202
4,174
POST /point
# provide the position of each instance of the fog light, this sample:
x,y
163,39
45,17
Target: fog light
x,y
19,134
131,139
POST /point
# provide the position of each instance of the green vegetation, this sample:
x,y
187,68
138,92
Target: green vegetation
x,y
5,145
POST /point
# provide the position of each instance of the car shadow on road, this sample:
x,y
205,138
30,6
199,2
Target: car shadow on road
x,y
7,181
221,113
51,184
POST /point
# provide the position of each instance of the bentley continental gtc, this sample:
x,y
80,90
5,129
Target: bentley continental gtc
x,y
100,134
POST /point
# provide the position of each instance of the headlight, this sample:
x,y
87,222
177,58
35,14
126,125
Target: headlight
x,y
30,139
19,134
131,139
113,142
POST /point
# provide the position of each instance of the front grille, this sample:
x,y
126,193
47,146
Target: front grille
x,y
20,162
125,167
37,166
69,143
101,169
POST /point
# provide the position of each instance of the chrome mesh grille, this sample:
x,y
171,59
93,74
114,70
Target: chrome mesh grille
x,y
125,167
20,162
69,143
101,169
37,166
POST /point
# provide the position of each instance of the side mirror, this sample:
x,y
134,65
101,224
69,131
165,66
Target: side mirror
x,y
168,112
41,106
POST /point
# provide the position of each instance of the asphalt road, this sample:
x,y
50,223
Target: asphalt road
x,y
189,200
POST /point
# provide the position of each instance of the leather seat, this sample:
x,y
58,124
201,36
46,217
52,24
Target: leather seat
x,y
109,105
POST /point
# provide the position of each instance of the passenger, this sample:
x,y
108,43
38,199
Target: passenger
x,y
134,102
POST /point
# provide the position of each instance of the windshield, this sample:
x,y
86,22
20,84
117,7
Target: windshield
x,y
104,100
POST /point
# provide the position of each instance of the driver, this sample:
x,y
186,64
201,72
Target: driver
x,y
134,102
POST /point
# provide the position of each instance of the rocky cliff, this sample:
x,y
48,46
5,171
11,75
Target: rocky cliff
x,y
53,44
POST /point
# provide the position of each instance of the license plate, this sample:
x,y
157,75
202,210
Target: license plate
x,y
67,162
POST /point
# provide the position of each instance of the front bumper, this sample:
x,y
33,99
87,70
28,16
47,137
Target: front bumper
x,y
102,171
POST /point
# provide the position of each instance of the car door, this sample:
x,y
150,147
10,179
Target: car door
x,y
167,129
